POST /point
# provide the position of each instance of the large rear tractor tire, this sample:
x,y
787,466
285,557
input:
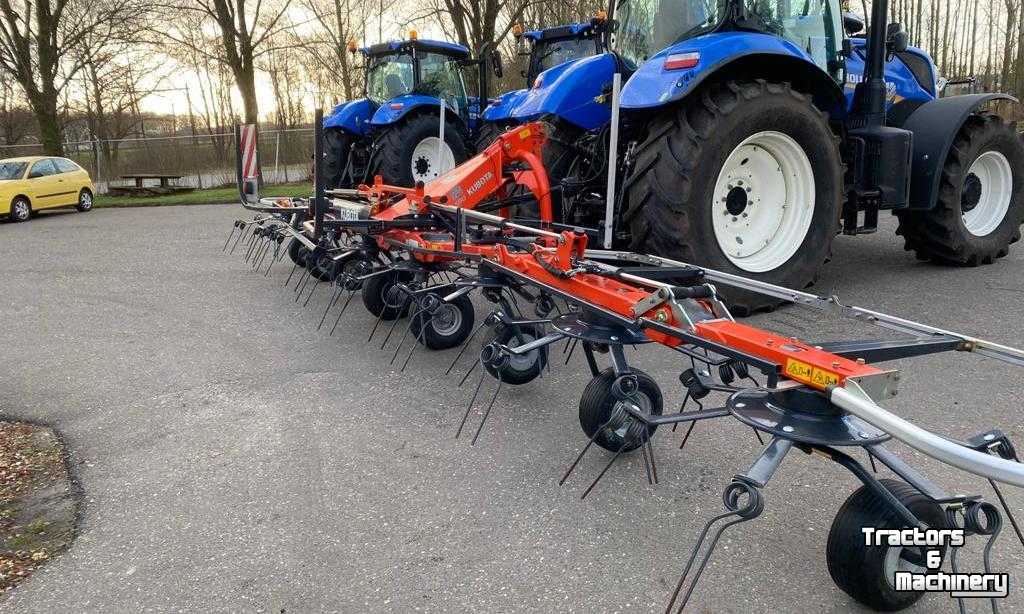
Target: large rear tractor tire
x,y
980,205
408,152
746,178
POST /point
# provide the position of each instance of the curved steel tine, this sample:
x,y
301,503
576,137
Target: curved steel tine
x,y
486,413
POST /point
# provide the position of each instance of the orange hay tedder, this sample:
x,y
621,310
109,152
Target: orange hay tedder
x,y
489,225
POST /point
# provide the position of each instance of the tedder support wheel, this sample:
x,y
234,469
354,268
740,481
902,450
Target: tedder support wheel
x,y
980,205
518,369
601,409
448,326
408,152
383,299
867,573
297,252
337,147
746,178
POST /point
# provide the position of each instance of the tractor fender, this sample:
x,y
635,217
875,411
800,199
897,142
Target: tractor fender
x,y
935,125
500,109
574,91
735,55
398,108
352,116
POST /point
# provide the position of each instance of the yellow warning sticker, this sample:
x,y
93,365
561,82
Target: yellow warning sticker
x,y
804,372
824,378
799,370
524,133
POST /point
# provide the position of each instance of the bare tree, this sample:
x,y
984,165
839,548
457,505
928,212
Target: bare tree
x,y
244,30
37,38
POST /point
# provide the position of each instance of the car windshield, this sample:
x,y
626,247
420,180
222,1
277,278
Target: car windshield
x,y
553,53
389,76
12,170
645,27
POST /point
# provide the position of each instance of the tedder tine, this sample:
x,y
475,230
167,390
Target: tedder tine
x,y
351,295
487,413
230,234
401,340
338,289
605,470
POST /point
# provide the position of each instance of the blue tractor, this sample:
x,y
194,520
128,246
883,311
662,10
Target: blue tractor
x,y
395,130
549,47
754,131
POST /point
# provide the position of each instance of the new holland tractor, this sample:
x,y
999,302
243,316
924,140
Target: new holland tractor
x,y
754,131
394,131
548,47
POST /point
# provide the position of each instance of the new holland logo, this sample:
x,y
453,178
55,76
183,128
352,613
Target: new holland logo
x,y
479,183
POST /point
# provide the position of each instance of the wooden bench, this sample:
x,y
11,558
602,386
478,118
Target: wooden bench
x,y
141,189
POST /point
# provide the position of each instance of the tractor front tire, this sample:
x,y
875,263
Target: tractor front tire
x,y
746,178
407,152
980,205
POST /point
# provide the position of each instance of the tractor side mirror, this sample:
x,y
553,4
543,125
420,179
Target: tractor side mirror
x,y
497,64
852,24
896,39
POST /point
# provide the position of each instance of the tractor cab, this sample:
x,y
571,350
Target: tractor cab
x,y
813,27
553,46
411,68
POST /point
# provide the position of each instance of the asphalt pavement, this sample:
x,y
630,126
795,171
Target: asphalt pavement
x,y
234,458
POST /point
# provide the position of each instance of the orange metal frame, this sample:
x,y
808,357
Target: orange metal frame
x,y
798,361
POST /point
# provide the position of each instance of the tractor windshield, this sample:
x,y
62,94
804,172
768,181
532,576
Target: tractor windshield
x,y
645,27
552,53
389,76
813,25
441,76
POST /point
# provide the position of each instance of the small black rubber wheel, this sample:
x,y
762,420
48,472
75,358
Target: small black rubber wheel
x,y
21,209
407,152
746,178
518,369
84,201
337,147
383,299
980,206
866,572
489,133
297,252
448,326
599,407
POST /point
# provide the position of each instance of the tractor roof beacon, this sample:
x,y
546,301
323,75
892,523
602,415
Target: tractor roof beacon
x,y
754,131
394,130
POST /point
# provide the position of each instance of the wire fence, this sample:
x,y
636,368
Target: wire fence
x,y
201,160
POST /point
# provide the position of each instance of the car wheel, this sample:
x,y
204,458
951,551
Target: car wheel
x,y
84,201
21,209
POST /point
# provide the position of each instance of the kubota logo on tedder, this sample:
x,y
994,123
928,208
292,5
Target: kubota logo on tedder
x,y
479,183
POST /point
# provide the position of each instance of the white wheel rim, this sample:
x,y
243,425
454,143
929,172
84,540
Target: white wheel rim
x,y
763,202
991,170
426,165
20,210
522,362
86,200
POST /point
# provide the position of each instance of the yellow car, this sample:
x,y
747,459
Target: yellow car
x,y
42,182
